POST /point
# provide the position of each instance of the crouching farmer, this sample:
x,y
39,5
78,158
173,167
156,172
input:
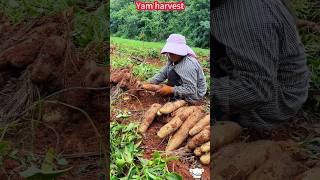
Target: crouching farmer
x,y
183,72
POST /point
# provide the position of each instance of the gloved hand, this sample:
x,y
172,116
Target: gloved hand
x,y
165,90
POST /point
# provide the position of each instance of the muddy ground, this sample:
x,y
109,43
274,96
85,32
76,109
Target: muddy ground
x,y
38,61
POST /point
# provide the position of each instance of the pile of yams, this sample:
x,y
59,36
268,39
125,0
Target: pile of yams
x,y
189,123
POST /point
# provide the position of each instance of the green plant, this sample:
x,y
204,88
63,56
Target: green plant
x,y
144,71
126,157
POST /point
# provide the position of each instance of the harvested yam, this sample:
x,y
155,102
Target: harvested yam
x,y
178,111
312,174
205,159
200,125
181,135
238,160
197,151
176,122
148,118
199,139
151,87
170,127
172,106
205,147
278,168
225,132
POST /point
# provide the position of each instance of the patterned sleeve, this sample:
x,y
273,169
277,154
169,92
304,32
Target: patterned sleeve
x,y
161,76
252,48
188,75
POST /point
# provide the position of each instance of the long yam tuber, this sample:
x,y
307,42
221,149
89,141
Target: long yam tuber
x,y
200,125
151,87
199,139
205,159
197,151
148,118
176,122
183,132
224,132
172,106
205,147
170,127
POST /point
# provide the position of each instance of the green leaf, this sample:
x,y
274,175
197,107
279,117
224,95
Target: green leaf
x,y
31,171
173,176
4,148
47,164
62,162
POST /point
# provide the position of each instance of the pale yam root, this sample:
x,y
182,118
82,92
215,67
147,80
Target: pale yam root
x,y
149,117
225,132
205,147
205,159
181,135
151,87
200,125
172,106
170,127
176,122
199,139
197,151
174,113
238,160
279,167
312,174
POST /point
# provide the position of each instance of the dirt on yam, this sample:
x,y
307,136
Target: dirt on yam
x,y
149,117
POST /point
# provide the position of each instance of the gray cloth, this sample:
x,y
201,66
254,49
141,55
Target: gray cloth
x,y
193,86
267,75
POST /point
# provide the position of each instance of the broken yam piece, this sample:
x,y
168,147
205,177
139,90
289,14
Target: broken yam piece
x,y
172,106
199,139
151,87
200,125
205,159
197,151
181,135
225,132
205,147
149,117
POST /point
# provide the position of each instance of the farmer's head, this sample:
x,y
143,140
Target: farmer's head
x,y
176,48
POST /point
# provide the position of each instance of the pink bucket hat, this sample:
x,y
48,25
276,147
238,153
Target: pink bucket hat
x,y
176,44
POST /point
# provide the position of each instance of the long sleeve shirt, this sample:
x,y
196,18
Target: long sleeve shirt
x,y
266,78
193,85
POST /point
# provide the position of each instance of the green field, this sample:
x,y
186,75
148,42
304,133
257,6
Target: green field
x,y
127,50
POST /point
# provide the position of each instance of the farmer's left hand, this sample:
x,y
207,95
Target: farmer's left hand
x,y
165,90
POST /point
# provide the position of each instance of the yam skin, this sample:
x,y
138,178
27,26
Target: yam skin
x,y
200,125
176,122
225,132
149,117
172,106
170,127
199,139
151,87
179,110
197,151
181,135
205,147
205,159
